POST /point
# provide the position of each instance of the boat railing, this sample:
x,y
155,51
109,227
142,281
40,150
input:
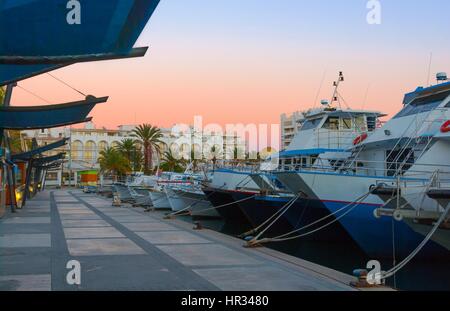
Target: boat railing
x,y
384,170
336,139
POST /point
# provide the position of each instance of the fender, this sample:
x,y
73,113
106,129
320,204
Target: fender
x,y
360,139
445,128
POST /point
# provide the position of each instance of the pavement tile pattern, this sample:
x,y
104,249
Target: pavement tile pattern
x,y
128,249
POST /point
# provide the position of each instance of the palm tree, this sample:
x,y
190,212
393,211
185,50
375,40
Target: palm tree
x,y
150,139
171,163
131,151
2,95
113,162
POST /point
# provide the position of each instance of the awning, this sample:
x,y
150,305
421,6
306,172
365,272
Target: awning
x,y
50,166
16,68
49,159
305,152
30,154
47,28
39,117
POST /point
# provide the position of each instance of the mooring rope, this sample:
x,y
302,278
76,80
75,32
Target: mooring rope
x,y
281,211
285,237
325,217
176,213
405,261
216,207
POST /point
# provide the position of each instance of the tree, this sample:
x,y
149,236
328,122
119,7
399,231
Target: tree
x,y
129,149
2,95
113,162
171,163
150,139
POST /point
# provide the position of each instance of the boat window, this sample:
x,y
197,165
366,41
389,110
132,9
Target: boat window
x,y
371,123
424,104
346,123
310,124
397,159
360,123
332,123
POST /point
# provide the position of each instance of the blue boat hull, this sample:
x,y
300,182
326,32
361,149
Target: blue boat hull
x,y
231,214
375,236
302,213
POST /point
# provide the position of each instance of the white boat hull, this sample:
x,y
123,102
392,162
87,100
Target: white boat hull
x,y
175,201
199,204
159,199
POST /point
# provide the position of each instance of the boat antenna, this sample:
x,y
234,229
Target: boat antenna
x,y
320,87
335,97
429,69
366,95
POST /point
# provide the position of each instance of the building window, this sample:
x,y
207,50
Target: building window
x,y
77,150
90,151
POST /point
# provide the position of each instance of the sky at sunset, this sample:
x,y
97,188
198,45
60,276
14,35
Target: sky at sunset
x,y
248,61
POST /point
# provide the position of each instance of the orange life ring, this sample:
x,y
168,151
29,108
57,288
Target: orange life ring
x,y
445,128
360,139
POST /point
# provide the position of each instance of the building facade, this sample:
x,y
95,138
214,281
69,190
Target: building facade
x,y
290,125
85,144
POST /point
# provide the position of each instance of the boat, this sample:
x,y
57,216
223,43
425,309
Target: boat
x,y
325,132
196,201
159,199
386,155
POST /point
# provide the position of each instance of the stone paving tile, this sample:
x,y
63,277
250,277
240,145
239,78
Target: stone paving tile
x,y
70,206
25,240
97,247
79,217
99,232
26,282
133,219
26,220
207,255
148,226
255,278
25,260
24,228
76,211
84,223
172,237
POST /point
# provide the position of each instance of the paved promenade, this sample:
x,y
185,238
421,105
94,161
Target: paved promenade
x,y
128,249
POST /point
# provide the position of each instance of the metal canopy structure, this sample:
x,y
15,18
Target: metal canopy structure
x,y
30,154
40,117
17,68
45,28
43,36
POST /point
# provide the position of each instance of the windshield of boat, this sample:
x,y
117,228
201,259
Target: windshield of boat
x,y
311,124
423,104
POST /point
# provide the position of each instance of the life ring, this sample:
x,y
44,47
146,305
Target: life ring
x,y
360,139
445,128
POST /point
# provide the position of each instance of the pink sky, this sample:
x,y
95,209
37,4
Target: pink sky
x,y
238,73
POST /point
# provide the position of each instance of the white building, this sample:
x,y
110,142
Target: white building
x,y
290,125
86,143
